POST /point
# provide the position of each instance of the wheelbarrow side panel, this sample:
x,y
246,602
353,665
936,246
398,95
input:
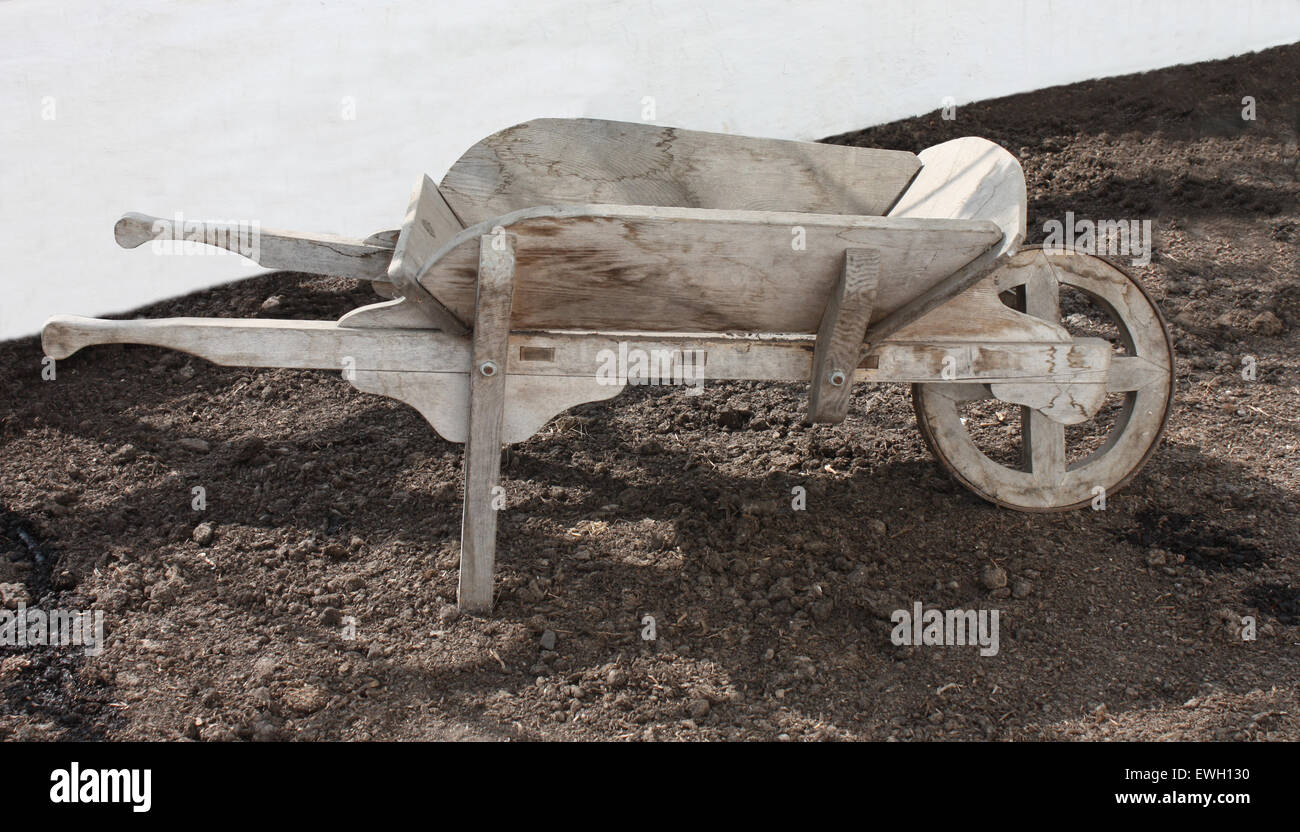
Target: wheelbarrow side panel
x,y
636,268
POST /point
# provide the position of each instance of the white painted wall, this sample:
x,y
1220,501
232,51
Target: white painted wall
x,y
233,109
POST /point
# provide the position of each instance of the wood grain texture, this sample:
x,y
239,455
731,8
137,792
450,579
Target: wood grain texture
x,y
978,314
487,405
428,226
1042,429
839,338
254,342
1046,479
287,250
443,399
601,267
584,161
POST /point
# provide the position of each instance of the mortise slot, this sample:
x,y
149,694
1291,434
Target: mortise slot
x,y
871,362
537,353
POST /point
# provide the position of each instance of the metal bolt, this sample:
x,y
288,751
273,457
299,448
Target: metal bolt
x,y
836,378
488,368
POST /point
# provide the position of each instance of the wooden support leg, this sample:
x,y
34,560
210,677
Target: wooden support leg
x,y
487,387
839,339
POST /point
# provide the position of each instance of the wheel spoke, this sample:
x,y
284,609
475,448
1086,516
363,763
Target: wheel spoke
x,y
1043,442
1129,372
1043,296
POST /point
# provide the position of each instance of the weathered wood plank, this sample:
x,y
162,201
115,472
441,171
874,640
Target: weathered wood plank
x,y
487,404
1130,373
839,339
429,225
581,161
255,342
1043,443
601,267
271,248
967,178
443,399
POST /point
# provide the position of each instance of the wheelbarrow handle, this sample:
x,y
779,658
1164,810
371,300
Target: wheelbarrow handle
x,y
282,250
258,342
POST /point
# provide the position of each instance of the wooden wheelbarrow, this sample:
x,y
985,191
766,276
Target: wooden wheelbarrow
x,y
552,245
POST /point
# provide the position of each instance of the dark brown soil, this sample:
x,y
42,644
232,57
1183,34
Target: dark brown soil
x,y
330,506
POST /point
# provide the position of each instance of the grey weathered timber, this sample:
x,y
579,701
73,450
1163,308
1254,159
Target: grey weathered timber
x,y
623,267
287,250
429,225
839,339
968,179
487,390
579,161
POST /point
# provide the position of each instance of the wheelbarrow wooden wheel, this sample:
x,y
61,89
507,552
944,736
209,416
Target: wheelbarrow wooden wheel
x,y
1043,476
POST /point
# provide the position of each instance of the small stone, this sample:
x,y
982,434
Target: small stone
x,y
1021,589
821,610
994,577
448,613
203,534
878,526
1227,616
306,700
331,616
198,446
698,708
247,450
734,418
65,497
272,303
264,668
124,454
1266,323
215,732
548,640
335,551
264,730
11,595
1157,557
